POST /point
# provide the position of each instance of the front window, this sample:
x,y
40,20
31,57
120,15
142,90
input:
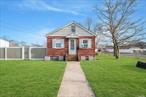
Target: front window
x,y
85,44
58,43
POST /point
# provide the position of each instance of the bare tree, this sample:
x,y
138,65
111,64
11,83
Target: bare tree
x,y
97,28
36,45
88,23
118,24
94,28
14,43
23,43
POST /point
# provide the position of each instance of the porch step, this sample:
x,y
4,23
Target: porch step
x,y
72,58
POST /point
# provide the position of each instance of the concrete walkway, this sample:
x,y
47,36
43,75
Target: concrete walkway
x,y
74,83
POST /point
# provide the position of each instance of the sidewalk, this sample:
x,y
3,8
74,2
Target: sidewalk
x,y
74,83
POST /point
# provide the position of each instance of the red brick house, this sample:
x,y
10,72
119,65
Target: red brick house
x,y
71,42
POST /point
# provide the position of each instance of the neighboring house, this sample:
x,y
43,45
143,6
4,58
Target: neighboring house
x,y
4,43
71,42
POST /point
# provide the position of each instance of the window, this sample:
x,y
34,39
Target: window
x,y
58,43
54,58
72,44
85,43
86,57
73,29
57,58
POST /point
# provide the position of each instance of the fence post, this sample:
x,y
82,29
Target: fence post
x,y
29,53
22,53
5,53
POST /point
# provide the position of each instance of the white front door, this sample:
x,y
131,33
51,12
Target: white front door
x,y
72,46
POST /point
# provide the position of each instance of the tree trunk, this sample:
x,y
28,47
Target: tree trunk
x,y
115,48
116,51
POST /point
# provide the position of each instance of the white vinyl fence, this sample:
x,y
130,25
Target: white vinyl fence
x,y
21,53
130,52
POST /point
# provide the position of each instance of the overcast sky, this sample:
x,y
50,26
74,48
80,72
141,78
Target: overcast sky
x,y
30,20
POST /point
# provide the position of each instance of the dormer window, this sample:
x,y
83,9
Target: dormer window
x,y
73,29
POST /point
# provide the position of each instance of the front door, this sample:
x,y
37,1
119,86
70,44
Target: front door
x,y
72,46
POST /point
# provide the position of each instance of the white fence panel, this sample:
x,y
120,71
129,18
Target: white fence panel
x,y
21,53
14,53
2,53
37,53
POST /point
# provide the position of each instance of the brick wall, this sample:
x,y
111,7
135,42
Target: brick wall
x,y
54,51
64,51
88,51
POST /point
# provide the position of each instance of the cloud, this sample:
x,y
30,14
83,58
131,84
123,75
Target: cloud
x,y
44,6
38,37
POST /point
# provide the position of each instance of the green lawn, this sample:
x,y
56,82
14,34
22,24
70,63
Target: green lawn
x,y
109,77
30,78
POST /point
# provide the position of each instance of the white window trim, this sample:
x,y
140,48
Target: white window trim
x,y
89,43
54,41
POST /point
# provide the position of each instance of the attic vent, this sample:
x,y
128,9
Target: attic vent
x,y
73,29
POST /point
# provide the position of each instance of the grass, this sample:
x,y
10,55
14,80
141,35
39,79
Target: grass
x,y
30,78
109,77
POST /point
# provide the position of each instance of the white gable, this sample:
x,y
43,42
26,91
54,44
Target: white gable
x,y
80,31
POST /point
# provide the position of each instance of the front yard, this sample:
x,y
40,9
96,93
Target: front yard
x,y
30,78
109,77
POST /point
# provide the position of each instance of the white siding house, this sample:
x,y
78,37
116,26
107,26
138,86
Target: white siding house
x,y
4,43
